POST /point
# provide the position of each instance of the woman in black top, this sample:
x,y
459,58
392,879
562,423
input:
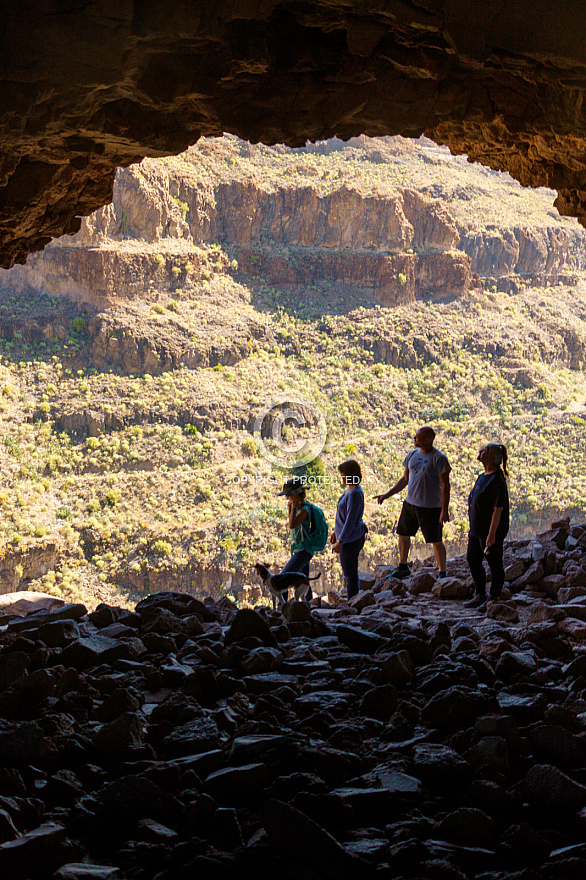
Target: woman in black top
x,y
488,511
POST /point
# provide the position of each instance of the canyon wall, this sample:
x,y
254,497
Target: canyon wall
x,y
395,244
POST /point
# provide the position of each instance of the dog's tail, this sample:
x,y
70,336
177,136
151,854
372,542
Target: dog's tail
x,y
315,577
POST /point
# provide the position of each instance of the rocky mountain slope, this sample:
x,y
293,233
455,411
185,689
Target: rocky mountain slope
x,y
392,216
127,404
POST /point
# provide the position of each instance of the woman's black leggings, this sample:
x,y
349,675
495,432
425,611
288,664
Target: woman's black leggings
x,y
494,557
349,554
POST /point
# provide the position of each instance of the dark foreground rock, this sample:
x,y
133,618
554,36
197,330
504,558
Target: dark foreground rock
x,y
407,738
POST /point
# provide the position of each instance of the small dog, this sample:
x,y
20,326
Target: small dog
x,y
277,584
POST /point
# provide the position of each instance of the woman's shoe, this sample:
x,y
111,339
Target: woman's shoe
x,y
476,602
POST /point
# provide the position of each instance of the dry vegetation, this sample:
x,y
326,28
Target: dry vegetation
x,y
163,488
471,191
159,498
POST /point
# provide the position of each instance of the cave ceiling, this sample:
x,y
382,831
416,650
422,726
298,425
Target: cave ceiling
x,y
89,86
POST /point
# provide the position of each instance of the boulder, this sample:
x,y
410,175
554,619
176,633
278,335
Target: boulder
x,y
573,628
398,669
551,584
35,853
532,575
553,744
457,708
512,663
547,786
362,599
379,702
367,579
421,582
450,588
468,826
249,623
505,611
359,640
299,839
438,765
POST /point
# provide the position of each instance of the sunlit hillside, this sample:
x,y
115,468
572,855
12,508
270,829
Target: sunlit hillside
x,y
128,459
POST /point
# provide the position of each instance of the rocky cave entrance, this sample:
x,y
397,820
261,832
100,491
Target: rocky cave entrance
x,y
87,90
395,736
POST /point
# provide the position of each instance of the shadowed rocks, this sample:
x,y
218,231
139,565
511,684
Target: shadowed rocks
x,y
384,739
86,90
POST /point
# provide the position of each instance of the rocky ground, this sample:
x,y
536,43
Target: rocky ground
x,y
398,736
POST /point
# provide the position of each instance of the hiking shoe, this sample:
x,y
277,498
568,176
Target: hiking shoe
x,y
476,602
400,573
442,575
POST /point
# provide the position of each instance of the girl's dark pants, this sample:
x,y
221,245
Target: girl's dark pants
x,y
494,557
349,554
298,562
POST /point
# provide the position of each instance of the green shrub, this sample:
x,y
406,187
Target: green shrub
x,y
183,207
250,447
79,325
162,548
111,498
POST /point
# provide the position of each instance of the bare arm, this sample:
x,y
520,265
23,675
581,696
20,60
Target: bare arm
x,y
297,515
496,518
446,488
399,485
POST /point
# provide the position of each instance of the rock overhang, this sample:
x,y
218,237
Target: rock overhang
x,y
87,89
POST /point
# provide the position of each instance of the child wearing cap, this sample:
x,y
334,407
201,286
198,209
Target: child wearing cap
x,y
299,513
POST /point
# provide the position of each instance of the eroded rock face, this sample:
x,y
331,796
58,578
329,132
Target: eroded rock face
x,y
86,89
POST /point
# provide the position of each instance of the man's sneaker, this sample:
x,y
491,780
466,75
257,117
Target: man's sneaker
x,y
400,573
476,602
442,575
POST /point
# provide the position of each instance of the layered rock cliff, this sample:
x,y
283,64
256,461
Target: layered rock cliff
x,y
333,213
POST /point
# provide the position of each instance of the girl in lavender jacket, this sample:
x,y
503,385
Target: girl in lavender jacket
x,y
350,530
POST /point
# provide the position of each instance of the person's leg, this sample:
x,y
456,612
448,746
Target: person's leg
x,y
349,554
429,522
475,556
294,564
404,547
439,549
406,528
299,562
494,558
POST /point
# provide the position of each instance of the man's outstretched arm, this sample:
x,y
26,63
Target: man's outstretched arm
x,y
399,485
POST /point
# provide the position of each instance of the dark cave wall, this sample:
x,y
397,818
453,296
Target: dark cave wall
x,y
87,87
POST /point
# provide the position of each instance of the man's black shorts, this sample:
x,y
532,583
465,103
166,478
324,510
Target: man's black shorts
x,y
425,518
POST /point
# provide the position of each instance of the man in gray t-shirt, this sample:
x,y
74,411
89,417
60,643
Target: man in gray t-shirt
x,y
427,476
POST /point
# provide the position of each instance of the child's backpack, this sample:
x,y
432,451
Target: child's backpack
x,y
317,536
